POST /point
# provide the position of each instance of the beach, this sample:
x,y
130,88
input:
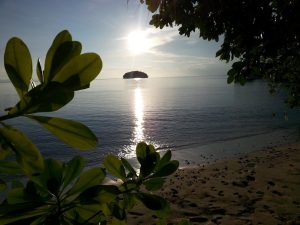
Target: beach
x,y
261,187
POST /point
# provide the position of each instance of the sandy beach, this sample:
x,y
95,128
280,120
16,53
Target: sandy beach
x,y
262,187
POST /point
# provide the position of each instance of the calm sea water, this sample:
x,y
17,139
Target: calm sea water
x,y
171,113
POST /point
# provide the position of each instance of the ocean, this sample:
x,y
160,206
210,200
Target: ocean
x,y
183,114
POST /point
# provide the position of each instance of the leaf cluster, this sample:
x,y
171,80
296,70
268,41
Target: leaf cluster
x,y
66,71
261,37
62,193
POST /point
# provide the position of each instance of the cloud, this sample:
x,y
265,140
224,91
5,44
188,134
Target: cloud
x,y
167,50
148,40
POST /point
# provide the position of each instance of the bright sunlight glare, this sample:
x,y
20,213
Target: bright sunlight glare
x,y
138,42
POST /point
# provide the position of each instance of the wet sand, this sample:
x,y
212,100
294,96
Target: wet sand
x,y
262,187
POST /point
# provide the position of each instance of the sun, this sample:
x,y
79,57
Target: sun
x,y
138,42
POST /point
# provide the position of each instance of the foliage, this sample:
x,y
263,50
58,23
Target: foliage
x,y
261,37
65,193
66,71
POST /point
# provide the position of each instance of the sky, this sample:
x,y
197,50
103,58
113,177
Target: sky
x,y
116,30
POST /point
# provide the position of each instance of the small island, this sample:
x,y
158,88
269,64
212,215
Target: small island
x,y
135,74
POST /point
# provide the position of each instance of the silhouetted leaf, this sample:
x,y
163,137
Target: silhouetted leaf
x,y
153,5
60,38
154,184
18,65
152,202
72,169
52,175
25,211
43,99
167,169
26,152
10,167
71,132
3,185
99,194
16,184
128,166
114,165
39,71
147,157
16,196
88,179
231,76
5,148
79,71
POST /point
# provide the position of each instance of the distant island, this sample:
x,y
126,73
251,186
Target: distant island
x,y
135,74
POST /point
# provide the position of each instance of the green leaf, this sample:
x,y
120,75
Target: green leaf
x,y
152,202
129,200
16,196
60,38
154,184
88,179
39,71
129,185
164,213
118,212
26,152
72,169
3,185
71,132
25,211
43,99
115,221
128,166
18,65
81,213
10,167
141,151
184,222
99,194
64,53
34,192
80,71
5,149
16,184
167,169
164,160
114,165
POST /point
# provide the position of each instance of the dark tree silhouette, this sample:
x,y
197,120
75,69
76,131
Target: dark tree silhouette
x,y
261,37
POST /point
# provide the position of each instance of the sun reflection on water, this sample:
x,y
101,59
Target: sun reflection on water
x,y
139,116
138,129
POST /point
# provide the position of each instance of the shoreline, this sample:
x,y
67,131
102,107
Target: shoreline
x,y
261,187
227,149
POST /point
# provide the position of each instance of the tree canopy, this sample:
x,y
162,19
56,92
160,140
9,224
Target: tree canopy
x,y
261,37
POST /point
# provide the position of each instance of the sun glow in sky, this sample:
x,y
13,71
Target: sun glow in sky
x,y
138,42
118,31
